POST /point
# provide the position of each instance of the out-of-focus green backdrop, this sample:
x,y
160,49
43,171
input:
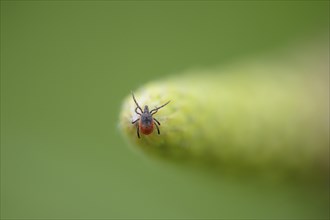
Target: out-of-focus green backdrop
x,y
65,68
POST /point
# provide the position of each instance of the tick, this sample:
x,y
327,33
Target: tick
x,y
146,120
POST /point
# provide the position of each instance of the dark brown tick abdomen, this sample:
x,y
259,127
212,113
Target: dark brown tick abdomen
x,y
146,128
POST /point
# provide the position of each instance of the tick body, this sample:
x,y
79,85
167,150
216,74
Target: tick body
x,y
146,121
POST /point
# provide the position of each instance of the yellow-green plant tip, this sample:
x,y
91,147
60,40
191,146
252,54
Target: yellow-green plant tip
x,y
267,119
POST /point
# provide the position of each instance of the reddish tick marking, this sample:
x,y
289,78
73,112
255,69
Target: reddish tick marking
x,y
146,121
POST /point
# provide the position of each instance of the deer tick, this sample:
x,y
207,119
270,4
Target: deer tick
x,y
146,121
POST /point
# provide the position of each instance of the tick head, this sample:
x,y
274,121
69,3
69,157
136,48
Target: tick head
x,y
146,109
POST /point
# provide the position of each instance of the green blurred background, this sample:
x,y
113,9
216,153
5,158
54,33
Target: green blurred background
x,y
65,68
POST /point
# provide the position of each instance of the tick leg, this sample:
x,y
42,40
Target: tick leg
x,y
154,111
133,122
137,127
136,103
137,111
157,128
157,121
138,131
